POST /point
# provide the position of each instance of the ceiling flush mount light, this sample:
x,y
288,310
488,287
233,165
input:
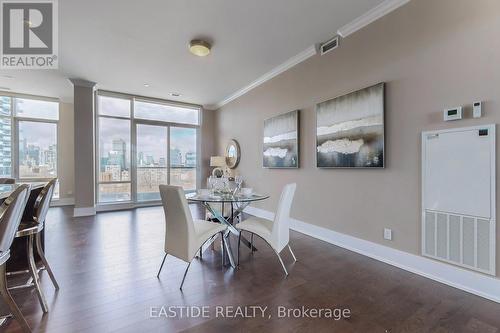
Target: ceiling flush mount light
x,y
146,85
199,47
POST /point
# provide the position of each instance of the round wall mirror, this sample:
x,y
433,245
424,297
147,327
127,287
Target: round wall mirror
x,y
232,154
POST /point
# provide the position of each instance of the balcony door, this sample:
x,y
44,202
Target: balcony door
x,y
183,157
151,160
164,155
143,143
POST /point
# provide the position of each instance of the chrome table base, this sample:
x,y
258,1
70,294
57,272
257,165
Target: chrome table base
x,y
228,255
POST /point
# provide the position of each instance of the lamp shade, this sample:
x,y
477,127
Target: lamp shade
x,y
217,161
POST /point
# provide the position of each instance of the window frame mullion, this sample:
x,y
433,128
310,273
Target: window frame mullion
x,y
133,172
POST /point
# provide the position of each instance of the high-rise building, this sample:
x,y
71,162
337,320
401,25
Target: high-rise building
x,y
50,157
150,161
23,149
118,153
140,158
116,158
104,162
5,138
190,159
33,155
175,157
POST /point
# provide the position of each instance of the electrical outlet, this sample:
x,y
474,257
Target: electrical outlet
x,y
387,233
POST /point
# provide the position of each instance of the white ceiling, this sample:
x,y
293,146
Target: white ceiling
x,y
122,45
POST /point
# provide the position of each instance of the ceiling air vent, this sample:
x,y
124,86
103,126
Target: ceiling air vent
x,y
330,45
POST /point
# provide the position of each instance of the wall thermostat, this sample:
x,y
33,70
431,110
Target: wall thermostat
x,y
477,109
453,114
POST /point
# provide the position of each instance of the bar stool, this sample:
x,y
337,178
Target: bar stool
x,y
32,230
11,212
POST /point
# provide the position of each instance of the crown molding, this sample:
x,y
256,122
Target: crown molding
x,y
370,16
293,61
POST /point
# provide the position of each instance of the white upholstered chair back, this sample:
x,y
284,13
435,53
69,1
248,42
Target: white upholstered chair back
x,y
281,227
11,212
43,200
179,229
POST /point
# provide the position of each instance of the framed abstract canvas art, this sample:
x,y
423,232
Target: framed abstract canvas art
x,y
350,130
281,141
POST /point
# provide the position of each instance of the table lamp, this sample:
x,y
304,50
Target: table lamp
x,y
218,162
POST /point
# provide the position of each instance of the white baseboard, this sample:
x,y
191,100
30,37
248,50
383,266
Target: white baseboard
x,y
472,282
83,211
62,202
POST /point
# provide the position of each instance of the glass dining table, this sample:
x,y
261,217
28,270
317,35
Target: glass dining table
x,y
215,203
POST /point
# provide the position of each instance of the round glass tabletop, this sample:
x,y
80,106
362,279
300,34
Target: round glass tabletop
x,y
218,197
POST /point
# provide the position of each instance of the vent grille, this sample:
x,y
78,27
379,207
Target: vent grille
x,y
330,45
462,240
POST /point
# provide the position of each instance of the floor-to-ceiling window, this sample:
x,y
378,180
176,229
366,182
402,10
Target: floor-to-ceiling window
x,y
151,160
28,138
143,143
114,172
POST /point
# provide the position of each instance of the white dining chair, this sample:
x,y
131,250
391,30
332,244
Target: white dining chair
x,y
11,211
276,233
31,228
184,236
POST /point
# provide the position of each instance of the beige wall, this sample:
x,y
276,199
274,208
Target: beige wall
x,y
432,55
66,161
207,143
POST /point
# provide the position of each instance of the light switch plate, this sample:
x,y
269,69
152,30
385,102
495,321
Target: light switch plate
x,y
387,233
477,109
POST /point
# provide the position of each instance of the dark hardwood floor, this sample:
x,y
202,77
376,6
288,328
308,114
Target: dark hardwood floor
x,y
106,266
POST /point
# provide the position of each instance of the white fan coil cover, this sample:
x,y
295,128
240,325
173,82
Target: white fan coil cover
x,y
458,197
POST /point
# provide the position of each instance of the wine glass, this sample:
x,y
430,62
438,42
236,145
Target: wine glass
x,y
238,180
210,184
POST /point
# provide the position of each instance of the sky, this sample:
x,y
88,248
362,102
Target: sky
x,y
111,129
163,112
40,134
36,133
32,108
112,106
151,139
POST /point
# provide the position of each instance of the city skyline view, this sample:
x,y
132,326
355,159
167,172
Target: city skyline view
x,y
37,150
151,159
116,151
159,159
37,140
